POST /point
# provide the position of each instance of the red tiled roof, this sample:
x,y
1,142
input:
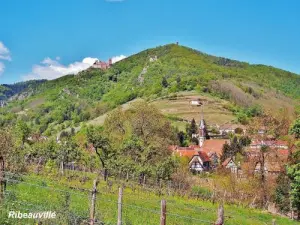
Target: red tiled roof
x,y
204,156
226,162
214,145
185,149
188,153
172,147
283,151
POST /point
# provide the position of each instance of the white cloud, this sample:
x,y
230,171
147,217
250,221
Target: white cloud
x,y
4,52
118,58
51,69
89,60
2,67
4,55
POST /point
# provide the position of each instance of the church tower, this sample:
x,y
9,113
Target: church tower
x,y
202,129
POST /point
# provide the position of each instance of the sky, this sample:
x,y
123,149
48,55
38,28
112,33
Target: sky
x,y
48,39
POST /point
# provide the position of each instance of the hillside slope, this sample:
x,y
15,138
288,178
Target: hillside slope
x,y
152,74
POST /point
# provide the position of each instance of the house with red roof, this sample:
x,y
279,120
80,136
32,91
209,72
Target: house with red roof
x,y
213,148
202,158
200,162
230,164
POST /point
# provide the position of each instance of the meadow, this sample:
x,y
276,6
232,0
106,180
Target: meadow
x,y
69,196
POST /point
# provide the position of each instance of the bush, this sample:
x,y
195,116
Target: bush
x,y
201,192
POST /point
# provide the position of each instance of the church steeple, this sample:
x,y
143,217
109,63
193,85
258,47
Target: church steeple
x,y
202,129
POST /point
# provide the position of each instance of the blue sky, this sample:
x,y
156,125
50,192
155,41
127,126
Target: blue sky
x,y
45,39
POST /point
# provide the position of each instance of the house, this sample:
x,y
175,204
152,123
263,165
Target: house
x,y
270,168
273,144
274,160
185,151
231,128
195,102
200,162
262,130
102,65
230,164
2,103
213,148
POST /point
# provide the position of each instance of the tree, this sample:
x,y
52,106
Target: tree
x,y
164,82
261,160
282,192
6,147
236,146
67,152
226,152
295,128
181,138
293,172
192,129
22,132
102,147
141,136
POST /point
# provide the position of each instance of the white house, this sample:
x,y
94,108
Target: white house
x,y
195,102
200,162
230,164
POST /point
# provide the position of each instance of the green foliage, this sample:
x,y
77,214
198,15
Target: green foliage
x,y
295,128
293,172
200,192
140,138
54,105
235,147
282,193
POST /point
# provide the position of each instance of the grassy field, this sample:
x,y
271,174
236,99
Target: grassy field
x,y
179,107
213,109
33,193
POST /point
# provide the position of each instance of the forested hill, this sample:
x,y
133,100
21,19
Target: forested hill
x,y
150,74
9,90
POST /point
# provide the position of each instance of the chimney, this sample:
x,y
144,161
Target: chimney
x,y
110,62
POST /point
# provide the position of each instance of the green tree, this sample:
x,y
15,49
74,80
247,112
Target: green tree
x,y
295,128
164,82
293,172
141,136
282,192
6,153
102,147
22,132
192,129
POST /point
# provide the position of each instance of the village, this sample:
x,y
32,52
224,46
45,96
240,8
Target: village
x,y
206,156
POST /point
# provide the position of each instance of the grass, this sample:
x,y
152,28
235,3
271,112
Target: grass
x,y
140,205
213,110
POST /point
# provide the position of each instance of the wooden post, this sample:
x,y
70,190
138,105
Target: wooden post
x,y
273,222
120,206
220,220
163,212
144,180
93,203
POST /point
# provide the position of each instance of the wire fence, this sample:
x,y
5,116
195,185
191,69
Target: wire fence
x,y
73,205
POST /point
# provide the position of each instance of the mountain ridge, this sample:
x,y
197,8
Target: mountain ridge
x,y
152,74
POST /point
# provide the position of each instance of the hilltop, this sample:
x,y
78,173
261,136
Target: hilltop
x,y
153,74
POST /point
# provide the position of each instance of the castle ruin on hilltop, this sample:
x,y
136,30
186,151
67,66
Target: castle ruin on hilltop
x,y
102,65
